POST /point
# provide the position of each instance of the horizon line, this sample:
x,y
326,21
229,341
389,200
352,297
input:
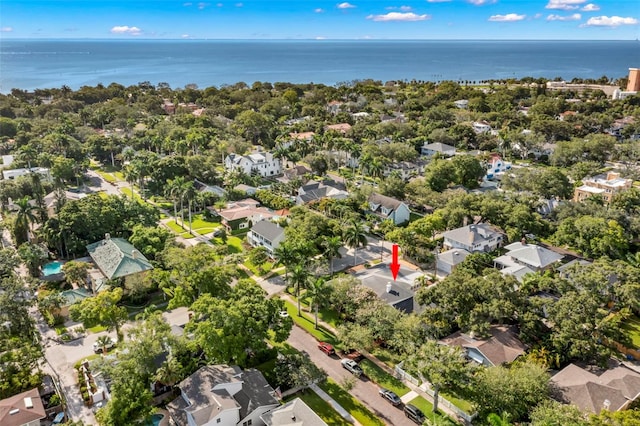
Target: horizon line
x,y
295,39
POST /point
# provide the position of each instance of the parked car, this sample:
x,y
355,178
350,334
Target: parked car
x,y
390,396
98,348
351,366
414,413
326,348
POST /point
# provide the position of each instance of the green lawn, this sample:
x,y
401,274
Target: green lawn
x,y
386,356
119,175
234,243
203,226
352,405
427,408
321,408
178,229
382,378
632,328
307,323
97,329
127,192
106,176
458,402
259,271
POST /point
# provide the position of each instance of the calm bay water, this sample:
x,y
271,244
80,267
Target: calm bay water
x,y
30,64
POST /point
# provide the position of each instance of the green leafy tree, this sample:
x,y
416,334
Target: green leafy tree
x,y
512,391
9,260
553,413
229,330
101,309
299,279
76,272
33,256
331,246
467,170
444,367
150,240
295,370
354,236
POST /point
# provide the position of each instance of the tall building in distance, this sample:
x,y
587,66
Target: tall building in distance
x,y
634,80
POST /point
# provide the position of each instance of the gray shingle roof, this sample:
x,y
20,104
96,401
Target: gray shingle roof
x,y
471,234
117,258
269,230
383,200
533,255
453,256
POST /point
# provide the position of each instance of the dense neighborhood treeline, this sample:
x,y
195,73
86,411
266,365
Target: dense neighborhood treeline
x,y
166,155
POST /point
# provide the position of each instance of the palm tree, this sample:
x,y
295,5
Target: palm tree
x,y
299,278
286,256
170,372
317,291
25,217
104,341
331,247
189,191
172,191
354,237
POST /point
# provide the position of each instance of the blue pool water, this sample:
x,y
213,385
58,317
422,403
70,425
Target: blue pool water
x,y
52,268
156,419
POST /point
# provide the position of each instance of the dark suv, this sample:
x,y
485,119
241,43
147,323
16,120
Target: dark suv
x,y
414,413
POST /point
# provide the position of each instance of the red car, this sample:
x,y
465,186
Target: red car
x,y
326,348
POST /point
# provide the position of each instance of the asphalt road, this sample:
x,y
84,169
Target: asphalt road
x,y
364,390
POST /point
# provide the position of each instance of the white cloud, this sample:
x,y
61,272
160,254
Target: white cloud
x,y
481,2
510,17
318,10
321,38
402,8
574,17
185,36
202,5
125,29
590,8
6,29
564,4
345,5
398,16
613,21
537,16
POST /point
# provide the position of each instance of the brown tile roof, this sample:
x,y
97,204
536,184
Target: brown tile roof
x,y
503,345
14,411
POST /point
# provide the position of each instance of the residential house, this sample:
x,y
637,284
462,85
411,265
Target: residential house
x,y
448,260
258,163
293,413
266,234
462,103
405,169
314,191
212,189
219,395
389,208
605,185
295,138
500,347
496,167
473,238
566,269
360,115
522,258
53,200
14,173
296,172
481,127
340,128
614,389
334,107
398,293
243,214
23,409
245,189
117,258
431,149
7,160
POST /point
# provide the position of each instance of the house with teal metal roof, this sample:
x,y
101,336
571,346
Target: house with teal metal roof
x,y
116,258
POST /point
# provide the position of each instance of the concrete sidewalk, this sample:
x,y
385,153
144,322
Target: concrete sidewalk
x,y
344,413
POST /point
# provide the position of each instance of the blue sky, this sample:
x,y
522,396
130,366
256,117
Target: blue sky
x,y
319,19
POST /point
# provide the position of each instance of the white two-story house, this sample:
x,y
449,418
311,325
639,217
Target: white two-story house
x,y
389,208
266,234
258,163
473,238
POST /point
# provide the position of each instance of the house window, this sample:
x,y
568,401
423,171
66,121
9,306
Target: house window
x,y
218,420
242,225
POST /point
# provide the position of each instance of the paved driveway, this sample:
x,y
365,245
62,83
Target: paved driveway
x,y
364,390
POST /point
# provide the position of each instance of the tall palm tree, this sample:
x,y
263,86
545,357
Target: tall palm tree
x,y
299,277
170,372
25,217
286,256
189,192
354,236
331,247
317,291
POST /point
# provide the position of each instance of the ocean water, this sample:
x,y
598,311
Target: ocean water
x,y
30,64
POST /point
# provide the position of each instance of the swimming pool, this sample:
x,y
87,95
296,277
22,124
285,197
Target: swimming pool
x,y
156,419
52,268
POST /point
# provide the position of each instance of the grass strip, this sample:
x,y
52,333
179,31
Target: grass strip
x,y
382,378
352,405
307,324
427,408
322,408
